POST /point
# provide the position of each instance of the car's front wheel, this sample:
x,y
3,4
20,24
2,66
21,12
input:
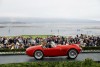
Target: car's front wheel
x,y
38,55
72,54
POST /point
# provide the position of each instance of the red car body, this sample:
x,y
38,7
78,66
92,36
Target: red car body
x,y
59,50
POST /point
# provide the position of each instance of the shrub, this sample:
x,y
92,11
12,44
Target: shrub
x,y
86,63
91,48
22,50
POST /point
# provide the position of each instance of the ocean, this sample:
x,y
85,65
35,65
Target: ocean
x,y
51,28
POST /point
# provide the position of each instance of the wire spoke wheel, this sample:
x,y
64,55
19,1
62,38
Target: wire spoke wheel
x,y
38,55
72,54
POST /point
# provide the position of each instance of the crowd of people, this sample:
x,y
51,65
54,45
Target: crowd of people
x,y
21,42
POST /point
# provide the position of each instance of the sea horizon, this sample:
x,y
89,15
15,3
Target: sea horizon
x,y
49,27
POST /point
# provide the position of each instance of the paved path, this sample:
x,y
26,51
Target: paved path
x,y
24,58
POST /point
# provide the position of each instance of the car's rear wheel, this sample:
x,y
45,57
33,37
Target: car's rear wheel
x,y
38,55
72,54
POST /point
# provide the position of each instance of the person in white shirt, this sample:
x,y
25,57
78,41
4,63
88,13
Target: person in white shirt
x,y
53,44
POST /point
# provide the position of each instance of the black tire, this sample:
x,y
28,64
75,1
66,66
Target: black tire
x,y
72,54
38,55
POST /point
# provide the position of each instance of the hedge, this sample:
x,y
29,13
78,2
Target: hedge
x,y
13,50
86,63
91,48
22,50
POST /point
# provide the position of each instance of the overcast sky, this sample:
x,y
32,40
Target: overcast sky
x,y
77,9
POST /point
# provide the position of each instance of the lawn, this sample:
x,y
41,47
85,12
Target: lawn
x,y
34,36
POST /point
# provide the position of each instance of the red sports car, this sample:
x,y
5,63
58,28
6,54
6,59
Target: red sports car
x,y
38,52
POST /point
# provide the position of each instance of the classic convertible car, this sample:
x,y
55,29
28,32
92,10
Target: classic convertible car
x,y
38,52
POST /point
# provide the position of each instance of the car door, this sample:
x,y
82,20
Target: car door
x,y
54,51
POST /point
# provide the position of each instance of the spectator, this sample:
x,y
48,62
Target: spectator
x,y
20,42
12,46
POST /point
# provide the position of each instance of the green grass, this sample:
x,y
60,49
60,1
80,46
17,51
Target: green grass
x,y
85,63
34,36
